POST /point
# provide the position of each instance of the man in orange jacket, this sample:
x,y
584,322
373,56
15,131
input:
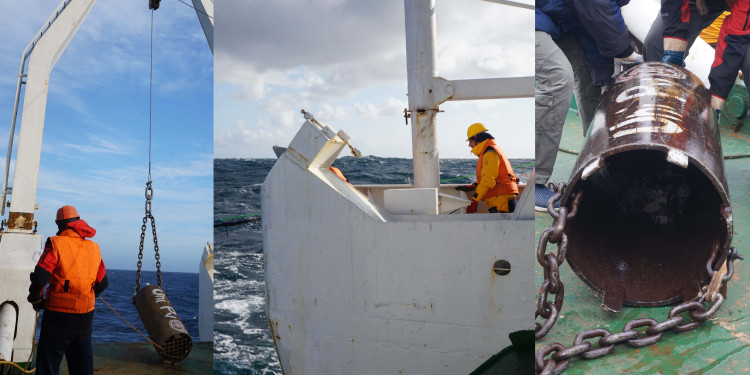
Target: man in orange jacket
x,y
496,182
73,267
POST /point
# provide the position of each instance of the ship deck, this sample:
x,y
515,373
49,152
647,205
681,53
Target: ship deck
x,y
721,345
128,358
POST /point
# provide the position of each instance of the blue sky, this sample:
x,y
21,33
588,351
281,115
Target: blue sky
x,y
345,62
95,144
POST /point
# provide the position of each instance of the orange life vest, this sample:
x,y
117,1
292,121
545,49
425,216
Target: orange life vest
x,y
338,173
71,287
505,182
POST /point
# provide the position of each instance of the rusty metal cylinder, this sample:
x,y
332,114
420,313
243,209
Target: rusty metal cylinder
x,y
654,206
162,324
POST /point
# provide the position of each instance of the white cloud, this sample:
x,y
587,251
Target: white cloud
x,y
346,63
94,150
366,110
332,113
99,145
388,107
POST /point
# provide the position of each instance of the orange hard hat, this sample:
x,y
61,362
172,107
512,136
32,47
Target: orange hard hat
x,y
66,212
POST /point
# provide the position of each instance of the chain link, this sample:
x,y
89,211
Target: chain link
x,y
733,255
559,356
551,262
554,358
148,216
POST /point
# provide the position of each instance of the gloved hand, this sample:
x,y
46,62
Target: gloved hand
x,y
674,57
36,300
472,207
623,64
466,187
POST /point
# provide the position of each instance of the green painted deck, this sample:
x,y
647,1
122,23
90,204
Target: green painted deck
x,y
131,358
719,346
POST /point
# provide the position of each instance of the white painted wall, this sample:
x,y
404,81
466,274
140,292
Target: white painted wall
x,y
352,289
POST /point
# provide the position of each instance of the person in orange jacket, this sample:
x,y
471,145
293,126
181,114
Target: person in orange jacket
x,y
72,266
496,183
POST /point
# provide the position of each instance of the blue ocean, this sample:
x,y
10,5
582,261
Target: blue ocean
x,y
242,341
182,292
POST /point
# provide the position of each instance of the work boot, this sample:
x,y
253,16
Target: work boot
x,y
542,195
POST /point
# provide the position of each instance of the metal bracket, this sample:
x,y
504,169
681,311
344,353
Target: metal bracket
x,y
483,88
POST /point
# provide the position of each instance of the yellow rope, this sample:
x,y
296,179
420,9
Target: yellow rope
x,y
131,326
33,344
18,367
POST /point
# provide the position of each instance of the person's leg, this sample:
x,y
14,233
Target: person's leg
x,y
699,22
502,203
653,45
49,353
79,356
746,67
587,95
553,92
511,205
730,56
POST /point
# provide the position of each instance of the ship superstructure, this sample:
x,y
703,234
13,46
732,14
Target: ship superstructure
x,y
393,279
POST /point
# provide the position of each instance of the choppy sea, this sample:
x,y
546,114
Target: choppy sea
x,y
242,341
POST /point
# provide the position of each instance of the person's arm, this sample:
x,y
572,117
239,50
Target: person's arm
x,y
603,20
41,275
101,279
490,166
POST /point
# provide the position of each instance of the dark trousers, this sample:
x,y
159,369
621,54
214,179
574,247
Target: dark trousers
x,y
77,351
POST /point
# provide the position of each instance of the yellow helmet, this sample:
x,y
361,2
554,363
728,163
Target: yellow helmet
x,y
475,129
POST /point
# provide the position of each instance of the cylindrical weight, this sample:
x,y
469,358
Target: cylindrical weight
x,y
654,207
162,324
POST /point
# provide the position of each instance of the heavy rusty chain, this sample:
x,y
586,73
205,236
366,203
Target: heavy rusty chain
x,y
560,356
551,262
146,217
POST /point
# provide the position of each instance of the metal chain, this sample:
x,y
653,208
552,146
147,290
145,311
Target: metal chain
x,y
146,217
156,251
153,5
551,262
733,255
560,355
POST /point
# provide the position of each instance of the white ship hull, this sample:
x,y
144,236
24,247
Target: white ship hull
x,y
353,289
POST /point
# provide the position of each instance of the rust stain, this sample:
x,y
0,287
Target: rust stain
x,y
734,331
20,220
300,155
735,135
